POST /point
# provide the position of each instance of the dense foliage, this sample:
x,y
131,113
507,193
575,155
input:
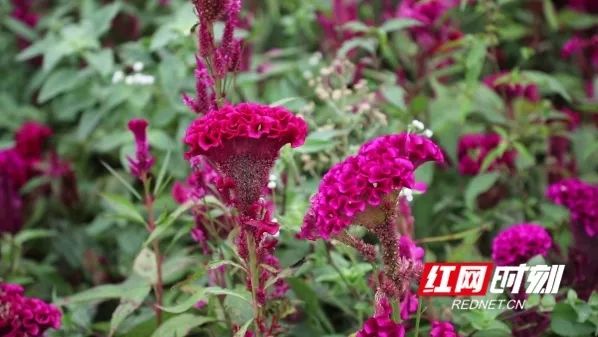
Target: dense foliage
x,y
284,168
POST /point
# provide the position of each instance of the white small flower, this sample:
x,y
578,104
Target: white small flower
x,y
417,125
129,80
272,177
307,75
138,66
407,193
315,59
118,76
428,133
271,185
337,94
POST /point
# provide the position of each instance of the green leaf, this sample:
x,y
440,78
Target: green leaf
x,y
368,44
32,234
133,285
319,141
100,20
128,304
181,325
547,83
474,60
162,227
395,95
478,185
393,25
102,61
122,180
162,174
123,207
550,14
60,81
564,322
145,265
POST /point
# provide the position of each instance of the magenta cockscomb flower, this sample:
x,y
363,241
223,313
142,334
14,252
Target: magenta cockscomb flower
x,y
582,46
381,324
589,6
519,243
142,162
511,88
382,167
409,305
30,139
205,99
473,149
443,329
211,10
13,175
243,141
581,199
21,316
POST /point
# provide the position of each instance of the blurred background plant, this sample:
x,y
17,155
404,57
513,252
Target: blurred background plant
x,y
506,88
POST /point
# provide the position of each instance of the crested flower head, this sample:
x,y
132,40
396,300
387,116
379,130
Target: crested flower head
x,y
443,329
381,324
243,141
143,161
519,243
365,181
22,316
473,149
581,199
30,140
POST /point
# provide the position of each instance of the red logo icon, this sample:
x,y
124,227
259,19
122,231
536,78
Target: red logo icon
x,y
455,279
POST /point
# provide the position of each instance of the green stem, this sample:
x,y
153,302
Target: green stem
x,y
418,317
253,270
454,236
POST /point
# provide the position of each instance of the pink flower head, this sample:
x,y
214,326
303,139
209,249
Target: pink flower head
x,y
30,140
211,10
204,100
243,141
22,316
143,161
589,6
381,324
473,149
427,12
573,46
382,166
409,250
443,329
504,85
581,199
409,305
519,243
13,175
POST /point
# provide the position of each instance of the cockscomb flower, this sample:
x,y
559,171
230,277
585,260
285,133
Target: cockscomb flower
x,y
13,175
365,181
142,162
510,88
443,329
589,6
21,316
242,142
473,149
211,10
581,199
343,12
519,243
30,139
381,324
205,99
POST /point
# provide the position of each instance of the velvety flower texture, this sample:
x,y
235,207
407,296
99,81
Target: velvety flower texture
x,y
381,324
243,141
473,149
443,329
22,316
382,166
30,140
519,243
143,161
510,88
581,199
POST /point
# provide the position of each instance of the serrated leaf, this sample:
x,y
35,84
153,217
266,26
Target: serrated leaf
x,y
146,266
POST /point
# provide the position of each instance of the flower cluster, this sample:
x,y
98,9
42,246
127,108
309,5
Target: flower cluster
x,y
248,135
221,60
26,160
473,149
366,180
143,161
519,243
443,329
510,88
581,199
21,316
381,324
433,32
23,11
